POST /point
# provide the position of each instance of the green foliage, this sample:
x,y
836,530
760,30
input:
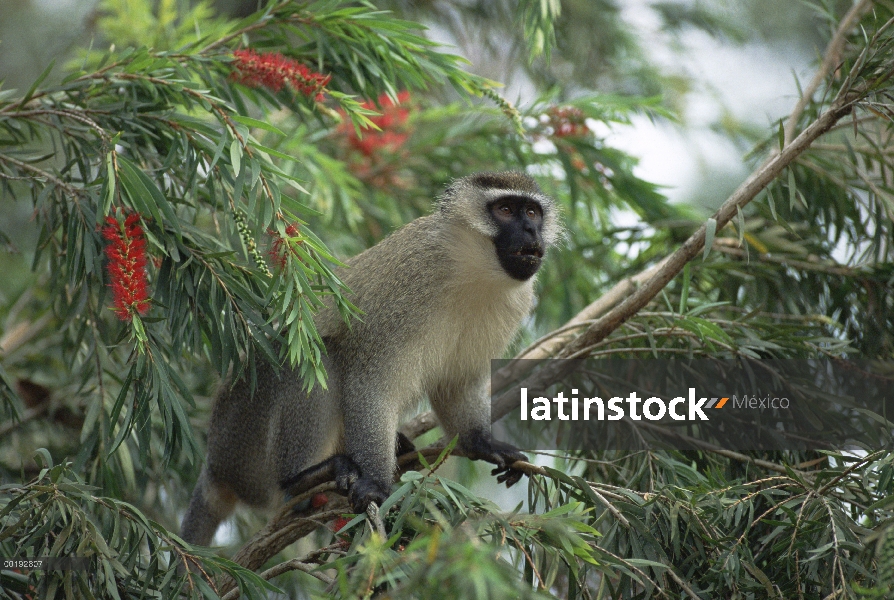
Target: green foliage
x,y
446,542
167,135
57,515
164,24
726,528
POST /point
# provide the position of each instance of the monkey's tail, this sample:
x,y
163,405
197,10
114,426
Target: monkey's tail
x,y
210,504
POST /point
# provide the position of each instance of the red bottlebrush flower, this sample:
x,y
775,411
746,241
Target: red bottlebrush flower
x,y
282,245
392,123
567,121
275,71
127,266
338,524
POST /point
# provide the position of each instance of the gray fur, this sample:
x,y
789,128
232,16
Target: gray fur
x,y
436,306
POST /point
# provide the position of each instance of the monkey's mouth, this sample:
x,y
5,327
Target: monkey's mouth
x,y
521,263
530,252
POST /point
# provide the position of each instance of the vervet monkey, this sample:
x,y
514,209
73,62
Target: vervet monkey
x,y
440,297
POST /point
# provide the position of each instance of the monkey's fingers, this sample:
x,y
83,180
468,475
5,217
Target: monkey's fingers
x,y
514,455
502,454
366,490
344,479
508,476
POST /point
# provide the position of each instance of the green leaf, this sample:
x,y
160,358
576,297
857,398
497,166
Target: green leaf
x,y
27,97
145,195
684,292
792,189
710,230
236,156
259,124
772,202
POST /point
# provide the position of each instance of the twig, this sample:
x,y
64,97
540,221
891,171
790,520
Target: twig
x,y
296,564
689,591
283,529
865,460
77,115
831,58
375,521
790,262
595,310
28,415
40,173
614,511
259,24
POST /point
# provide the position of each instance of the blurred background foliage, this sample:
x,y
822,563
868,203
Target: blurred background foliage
x,y
140,110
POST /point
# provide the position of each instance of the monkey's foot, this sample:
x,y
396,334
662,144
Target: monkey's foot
x,y
481,446
365,491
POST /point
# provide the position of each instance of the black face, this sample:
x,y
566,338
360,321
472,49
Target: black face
x,y
519,243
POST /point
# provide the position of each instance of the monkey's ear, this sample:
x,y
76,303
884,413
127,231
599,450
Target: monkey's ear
x,y
446,199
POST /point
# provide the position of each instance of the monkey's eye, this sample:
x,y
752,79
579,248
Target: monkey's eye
x,y
532,211
504,209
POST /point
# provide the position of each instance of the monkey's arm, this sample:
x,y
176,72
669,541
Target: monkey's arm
x,y
371,416
465,411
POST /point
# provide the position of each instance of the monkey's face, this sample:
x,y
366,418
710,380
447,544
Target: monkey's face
x,y
519,239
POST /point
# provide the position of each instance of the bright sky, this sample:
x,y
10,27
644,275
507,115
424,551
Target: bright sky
x,y
754,83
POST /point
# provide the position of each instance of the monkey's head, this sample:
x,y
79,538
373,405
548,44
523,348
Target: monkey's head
x,y
512,211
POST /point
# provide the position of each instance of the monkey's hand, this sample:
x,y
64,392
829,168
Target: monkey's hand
x,y
366,490
481,446
339,468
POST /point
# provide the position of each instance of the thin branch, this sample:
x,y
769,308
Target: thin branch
x,y
831,59
260,24
864,461
28,415
296,564
588,315
785,261
683,584
77,115
284,528
40,173
614,511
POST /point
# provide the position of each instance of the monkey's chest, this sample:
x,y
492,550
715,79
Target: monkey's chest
x,y
465,337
